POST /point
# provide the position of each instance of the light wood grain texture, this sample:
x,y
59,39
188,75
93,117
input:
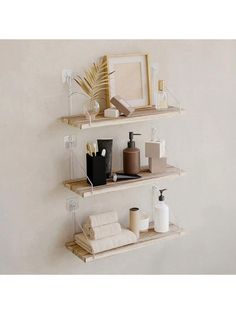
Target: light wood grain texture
x,y
140,115
150,100
81,187
107,92
146,238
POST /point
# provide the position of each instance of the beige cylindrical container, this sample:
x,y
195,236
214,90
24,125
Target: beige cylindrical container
x,y
134,220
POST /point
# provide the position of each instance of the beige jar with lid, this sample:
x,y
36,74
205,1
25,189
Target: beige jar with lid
x,y
134,220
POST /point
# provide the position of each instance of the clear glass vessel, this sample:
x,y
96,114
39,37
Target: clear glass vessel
x,y
162,95
90,109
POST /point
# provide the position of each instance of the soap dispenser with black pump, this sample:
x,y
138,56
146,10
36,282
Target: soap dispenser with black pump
x,y
131,156
161,214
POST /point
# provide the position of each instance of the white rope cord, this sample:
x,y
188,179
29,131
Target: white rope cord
x,y
69,82
74,221
71,162
77,221
84,173
179,107
86,237
90,119
71,93
155,186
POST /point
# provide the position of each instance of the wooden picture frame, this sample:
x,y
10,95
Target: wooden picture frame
x,y
130,80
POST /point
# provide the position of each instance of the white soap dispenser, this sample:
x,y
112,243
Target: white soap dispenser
x,y
161,214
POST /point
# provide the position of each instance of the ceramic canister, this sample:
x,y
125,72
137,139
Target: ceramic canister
x,y
134,220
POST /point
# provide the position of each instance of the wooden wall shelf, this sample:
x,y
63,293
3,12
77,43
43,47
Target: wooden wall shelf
x,y
146,239
140,115
81,187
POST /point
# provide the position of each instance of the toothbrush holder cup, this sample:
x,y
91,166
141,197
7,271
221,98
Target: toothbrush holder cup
x,y
96,169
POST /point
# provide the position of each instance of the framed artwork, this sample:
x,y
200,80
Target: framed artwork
x,y
130,80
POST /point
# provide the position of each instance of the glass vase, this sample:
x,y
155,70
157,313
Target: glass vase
x,y
90,109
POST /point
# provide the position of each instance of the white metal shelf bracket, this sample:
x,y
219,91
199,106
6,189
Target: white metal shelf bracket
x,y
178,105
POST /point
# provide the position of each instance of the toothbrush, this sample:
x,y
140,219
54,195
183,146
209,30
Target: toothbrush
x,y
103,153
94,148
89,149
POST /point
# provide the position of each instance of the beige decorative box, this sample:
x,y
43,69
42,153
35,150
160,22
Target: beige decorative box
x,y
122,105
155,149
157,165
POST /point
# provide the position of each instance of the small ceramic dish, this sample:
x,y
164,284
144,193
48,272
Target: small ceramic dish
x,y
143,222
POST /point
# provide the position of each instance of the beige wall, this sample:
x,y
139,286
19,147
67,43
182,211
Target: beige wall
x,y
34,223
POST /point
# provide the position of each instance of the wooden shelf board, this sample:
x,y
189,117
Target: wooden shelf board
x,y
81,187
146,238
139,115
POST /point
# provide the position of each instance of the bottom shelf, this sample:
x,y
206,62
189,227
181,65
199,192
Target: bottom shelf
x,y
146,238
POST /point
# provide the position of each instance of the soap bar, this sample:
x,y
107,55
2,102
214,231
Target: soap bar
x,y
157,165
111,113
155,149
122,105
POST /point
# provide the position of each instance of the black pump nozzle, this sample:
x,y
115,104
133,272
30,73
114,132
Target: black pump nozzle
x,y
131,135
131,142
161,197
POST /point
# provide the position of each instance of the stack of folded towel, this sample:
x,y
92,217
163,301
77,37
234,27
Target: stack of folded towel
x,y
102,225
103,232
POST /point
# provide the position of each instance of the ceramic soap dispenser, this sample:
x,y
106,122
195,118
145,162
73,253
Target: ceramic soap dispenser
x,y
161,214
131,156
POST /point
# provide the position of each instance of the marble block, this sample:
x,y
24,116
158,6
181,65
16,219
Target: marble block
x,y
155,149
157,165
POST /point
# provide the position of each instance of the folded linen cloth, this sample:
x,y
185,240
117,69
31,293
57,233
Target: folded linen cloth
x,y
96,246
102,219
100,232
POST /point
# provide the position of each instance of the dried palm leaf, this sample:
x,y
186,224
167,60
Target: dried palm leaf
x,y
95,80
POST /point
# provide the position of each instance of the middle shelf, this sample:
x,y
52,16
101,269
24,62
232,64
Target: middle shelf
x,y
81,187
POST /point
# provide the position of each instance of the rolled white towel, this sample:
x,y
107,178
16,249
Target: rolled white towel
x,y
102,219
125,237
100,232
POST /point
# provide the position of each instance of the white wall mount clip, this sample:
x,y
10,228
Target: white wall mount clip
x,y
67,76
70,141
72,204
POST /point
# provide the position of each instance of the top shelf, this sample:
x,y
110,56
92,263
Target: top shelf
x,y
140,115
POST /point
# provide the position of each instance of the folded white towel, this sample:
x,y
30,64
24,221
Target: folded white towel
x,y
86,229
102,219
100,232
95,246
